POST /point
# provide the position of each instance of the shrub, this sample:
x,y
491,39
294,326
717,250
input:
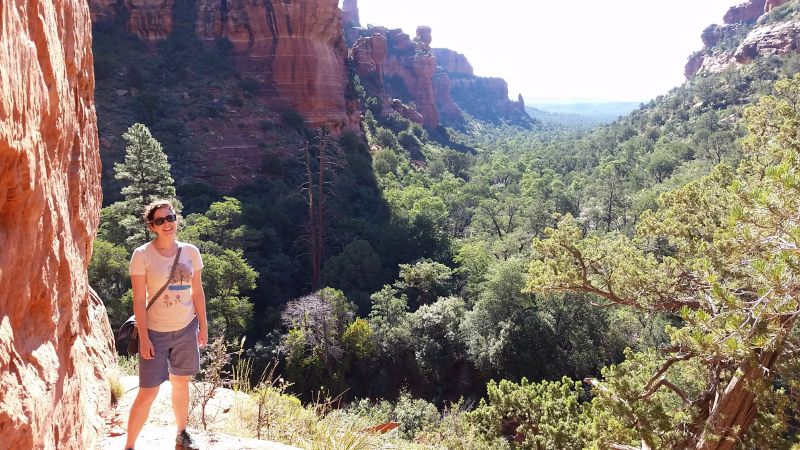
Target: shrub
x,y
414,415
386,138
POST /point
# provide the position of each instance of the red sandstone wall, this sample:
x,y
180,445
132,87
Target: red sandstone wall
x,y
297,47
55,343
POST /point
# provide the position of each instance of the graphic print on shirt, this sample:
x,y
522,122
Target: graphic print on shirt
x,y
179,285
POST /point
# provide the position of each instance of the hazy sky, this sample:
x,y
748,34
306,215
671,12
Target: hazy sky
x,y
596,49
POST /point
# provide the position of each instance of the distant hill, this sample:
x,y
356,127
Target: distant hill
x,y
596,112
571,121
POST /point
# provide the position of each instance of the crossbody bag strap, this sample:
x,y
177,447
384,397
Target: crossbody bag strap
x,y
171,272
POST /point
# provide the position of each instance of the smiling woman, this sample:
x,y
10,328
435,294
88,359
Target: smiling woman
x,y
633,50
170,308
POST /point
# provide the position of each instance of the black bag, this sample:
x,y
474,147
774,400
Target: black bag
x,y
128,329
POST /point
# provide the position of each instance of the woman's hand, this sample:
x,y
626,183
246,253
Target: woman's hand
x,y
146,349
202,336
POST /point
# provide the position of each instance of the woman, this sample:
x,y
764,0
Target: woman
x,y
174,327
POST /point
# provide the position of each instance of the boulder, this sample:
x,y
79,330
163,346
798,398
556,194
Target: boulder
x,y
694,64
769,5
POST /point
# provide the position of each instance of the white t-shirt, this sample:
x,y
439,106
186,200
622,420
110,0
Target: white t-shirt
x,y
173,309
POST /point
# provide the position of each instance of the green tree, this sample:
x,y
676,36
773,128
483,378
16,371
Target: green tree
x,y
722,254
424,281
146,174
108,275
227,277
222,226
436,341
356,271
313,344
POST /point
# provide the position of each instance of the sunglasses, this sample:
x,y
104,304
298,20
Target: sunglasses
x,y
160,221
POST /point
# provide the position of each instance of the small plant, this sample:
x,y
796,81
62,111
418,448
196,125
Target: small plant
x,y
128,365
116,388
214,360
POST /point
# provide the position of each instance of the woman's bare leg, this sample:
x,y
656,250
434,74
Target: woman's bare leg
x,y
140,409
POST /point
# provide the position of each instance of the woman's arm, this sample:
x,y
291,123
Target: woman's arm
x,y
199,300
140,311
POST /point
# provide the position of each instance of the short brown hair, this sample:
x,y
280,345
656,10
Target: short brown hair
x,y
150,210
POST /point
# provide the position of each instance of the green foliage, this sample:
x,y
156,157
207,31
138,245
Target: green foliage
x,y
386,138
436,340
385,161
222,226
423,282
108,275
357,339
409,141
356,271
546,415
226,278
146,174
414,415
718,253
389,321
313,345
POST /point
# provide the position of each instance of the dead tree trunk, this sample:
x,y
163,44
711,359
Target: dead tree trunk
x,y
321,157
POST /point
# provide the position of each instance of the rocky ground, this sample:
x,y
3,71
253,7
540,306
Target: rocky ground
x,y
159,431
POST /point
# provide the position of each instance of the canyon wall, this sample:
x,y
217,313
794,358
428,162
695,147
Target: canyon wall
x,y
746,33
293,49
56,347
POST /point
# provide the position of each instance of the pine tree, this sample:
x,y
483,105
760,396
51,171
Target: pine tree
x,y
147,174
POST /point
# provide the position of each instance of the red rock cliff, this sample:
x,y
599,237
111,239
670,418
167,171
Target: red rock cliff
x,y
390,57
55,343
746,12
760,38
452,62
295,49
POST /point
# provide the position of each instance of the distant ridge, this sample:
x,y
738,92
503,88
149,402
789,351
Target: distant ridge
x,y
602,112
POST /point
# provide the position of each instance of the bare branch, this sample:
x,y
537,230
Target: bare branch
x,y
672,386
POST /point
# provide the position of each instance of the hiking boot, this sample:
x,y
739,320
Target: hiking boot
x,y
184,441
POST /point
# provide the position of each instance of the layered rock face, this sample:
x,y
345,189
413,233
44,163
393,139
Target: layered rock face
x,y
294,49
778,39
439,81
297,47
369,56
56,346
761,38
746,12
350,13
484,97
452,62
414,67
150,19
401,67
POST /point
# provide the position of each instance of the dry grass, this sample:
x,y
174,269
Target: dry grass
x,y
268,412
116,387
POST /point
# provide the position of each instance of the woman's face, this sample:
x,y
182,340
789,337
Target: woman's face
x,y
164,222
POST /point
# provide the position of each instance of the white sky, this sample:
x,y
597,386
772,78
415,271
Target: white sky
x,y
623,50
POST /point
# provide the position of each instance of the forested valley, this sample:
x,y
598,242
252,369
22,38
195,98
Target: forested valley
x,y
490,284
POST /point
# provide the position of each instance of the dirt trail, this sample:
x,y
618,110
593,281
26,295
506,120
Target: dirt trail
x,y
159,431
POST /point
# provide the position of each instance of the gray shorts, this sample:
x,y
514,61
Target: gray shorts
x,y
176,352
